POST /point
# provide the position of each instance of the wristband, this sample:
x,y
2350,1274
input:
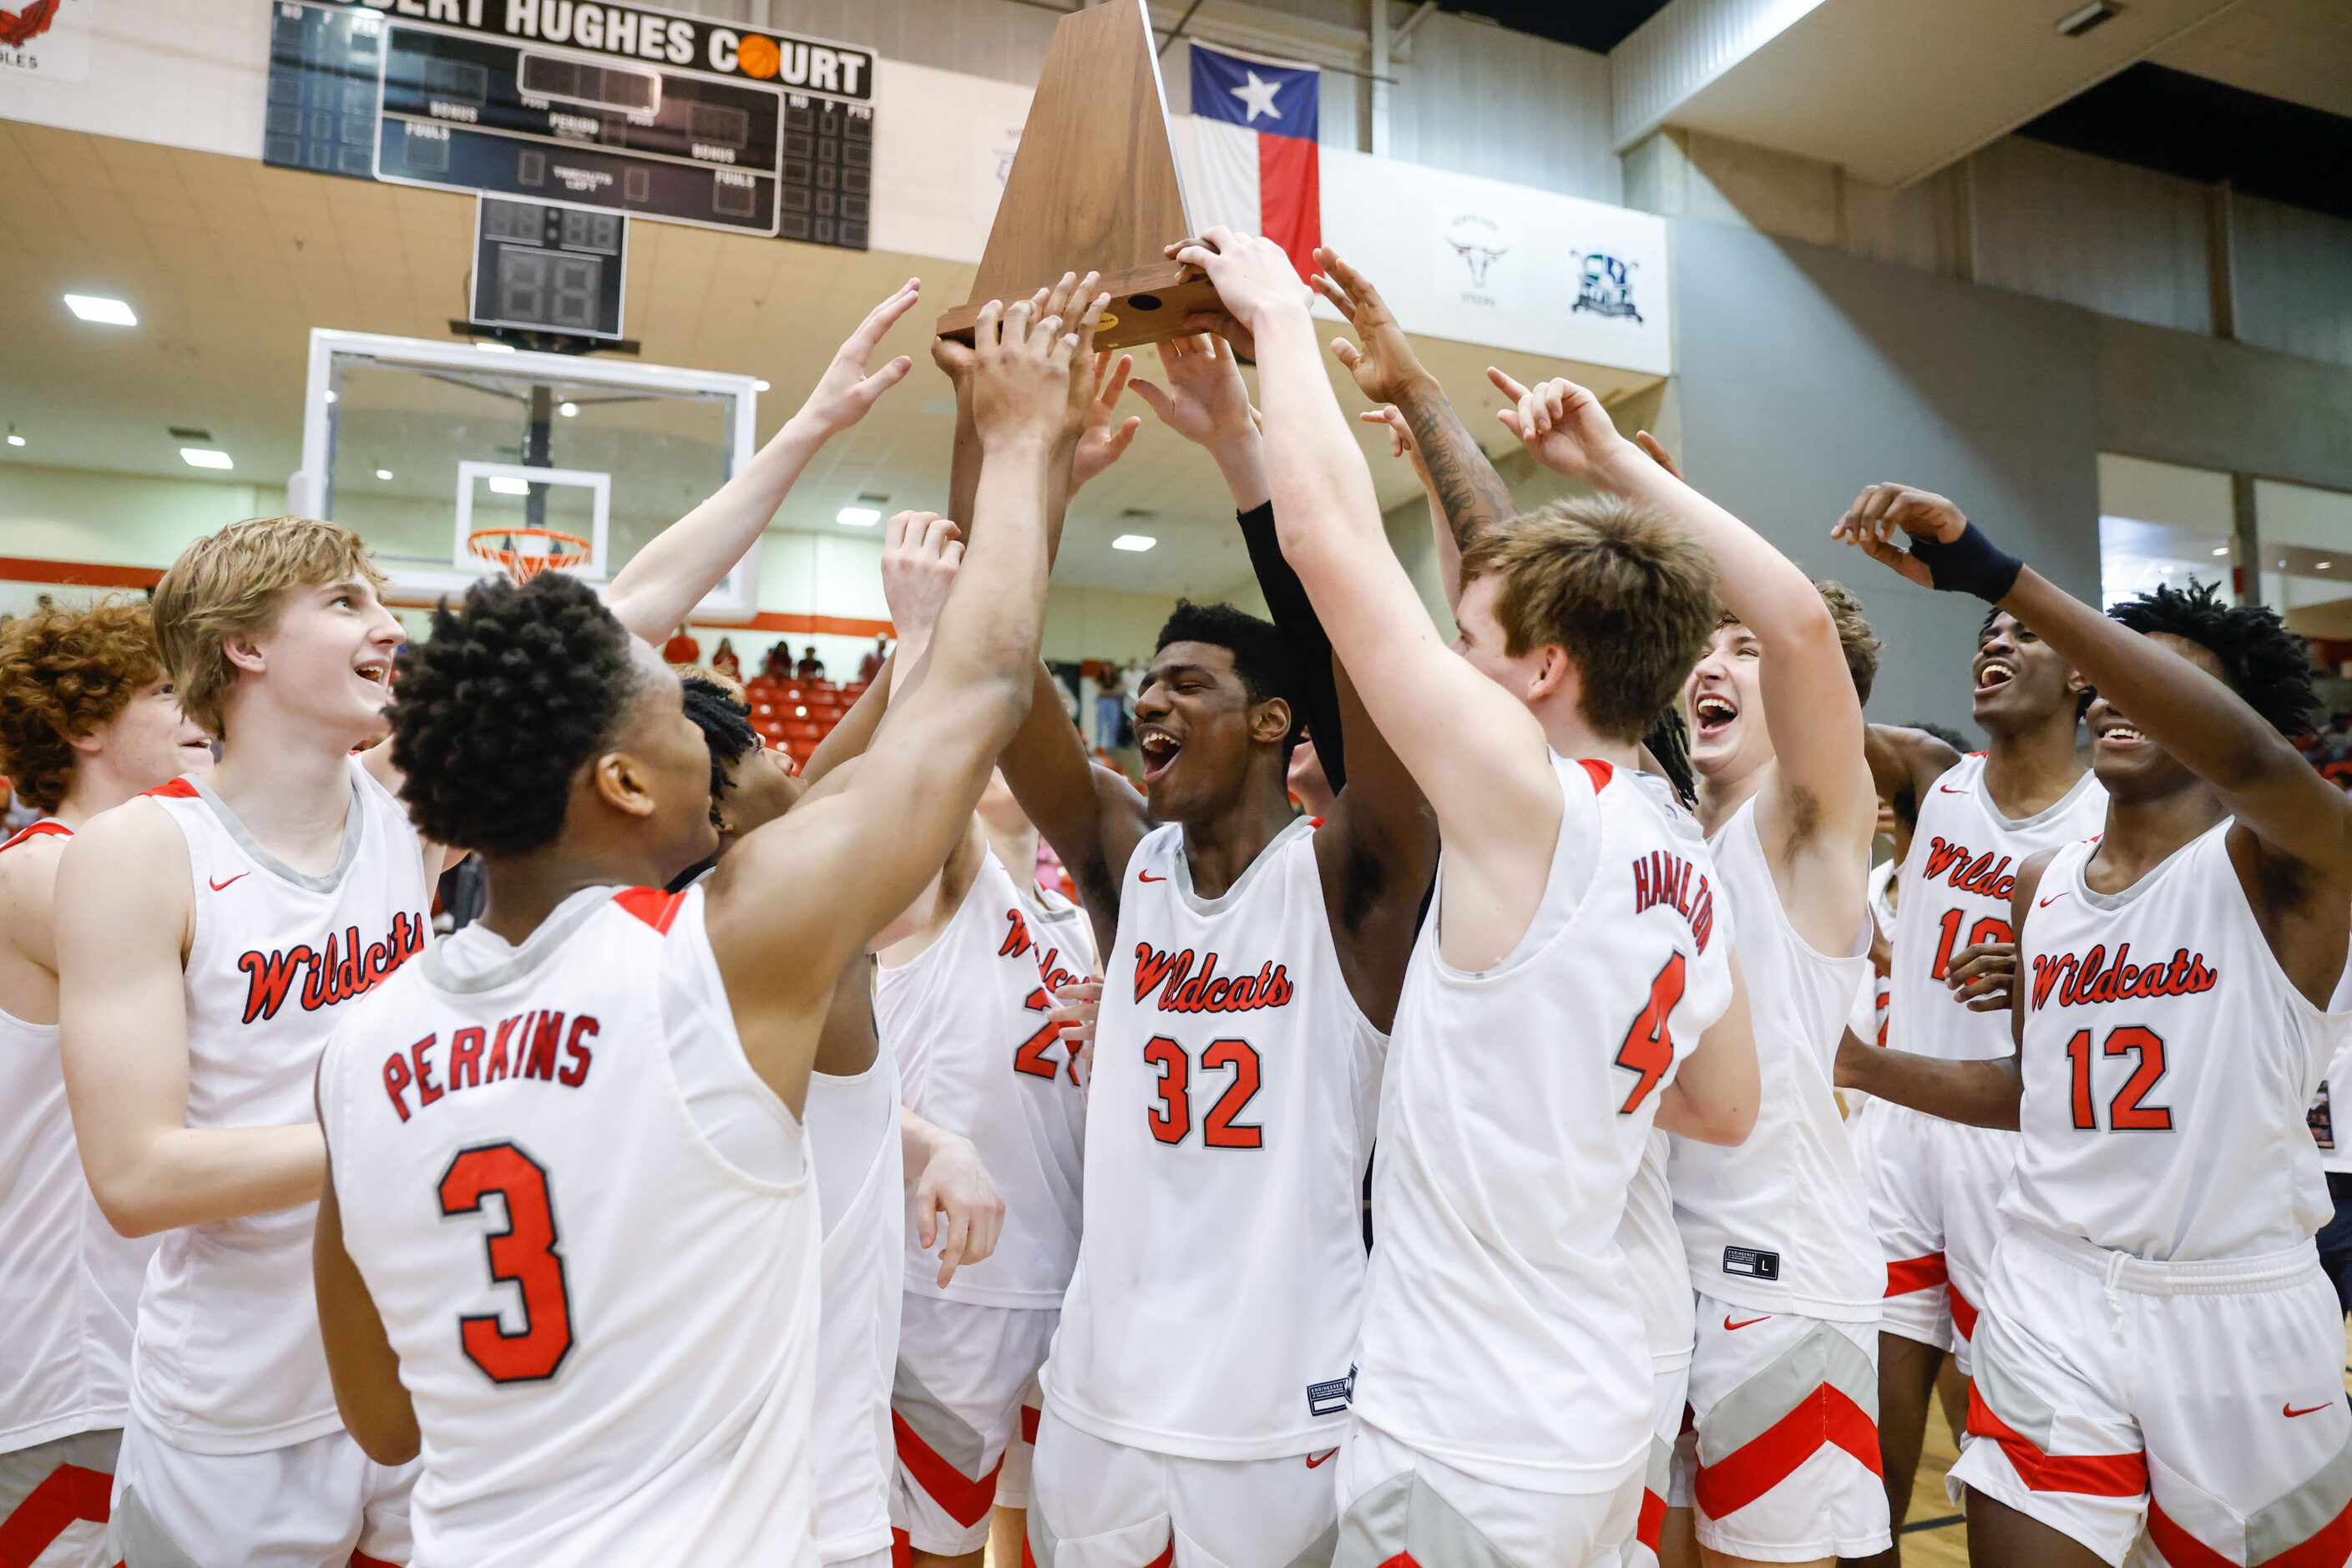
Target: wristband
x,y
1972,564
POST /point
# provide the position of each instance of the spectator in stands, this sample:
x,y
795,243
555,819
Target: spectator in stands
x,y
871,665
725,662
1112,727
810,667
682,648
778,662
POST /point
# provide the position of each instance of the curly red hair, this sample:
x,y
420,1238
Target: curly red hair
x,y
63,674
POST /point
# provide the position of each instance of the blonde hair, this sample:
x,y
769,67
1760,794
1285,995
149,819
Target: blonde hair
x,y
233,583
1630,596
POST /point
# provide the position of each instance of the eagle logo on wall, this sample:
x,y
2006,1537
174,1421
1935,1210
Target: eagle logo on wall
x,y
20,27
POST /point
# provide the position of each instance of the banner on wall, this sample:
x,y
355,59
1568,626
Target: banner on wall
x,y
1255,130
45,38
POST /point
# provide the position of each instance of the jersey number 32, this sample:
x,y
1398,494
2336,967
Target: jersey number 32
x,y
524,1254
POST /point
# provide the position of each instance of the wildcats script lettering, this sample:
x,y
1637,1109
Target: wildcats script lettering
x,y
1182,991
338,969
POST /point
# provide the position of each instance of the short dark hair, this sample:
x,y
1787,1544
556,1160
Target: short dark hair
x,y
1947,734
514,693
1261,657
726,726
2266,665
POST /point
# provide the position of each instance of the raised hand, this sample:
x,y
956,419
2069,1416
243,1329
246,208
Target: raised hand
x,y
1253,275
844,391
1401,441
920,553
1385,367
1077,1008
1564,428
1877,514
1019,372
1104,437
1204,400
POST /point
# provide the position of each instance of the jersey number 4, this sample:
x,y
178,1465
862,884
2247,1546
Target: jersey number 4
x,y
1649,1047
524,1255
2124,1112
1172,1118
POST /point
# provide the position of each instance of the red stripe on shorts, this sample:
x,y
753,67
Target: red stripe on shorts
x,y
66,1496
1168,1552
2326,1548
1964,1312
1653,1521
1908,1274
1828,1416
362,1560
967,1501
2090,1475
902,1549
1029,1425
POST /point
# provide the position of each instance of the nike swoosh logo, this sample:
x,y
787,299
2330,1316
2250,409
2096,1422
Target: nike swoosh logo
x,y
2290,1411
1313,1462
1946,789
1148,877
1748,1324
2045,903
218,886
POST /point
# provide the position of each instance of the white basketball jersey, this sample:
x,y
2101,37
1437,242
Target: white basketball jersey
x,y
226,1359
966,1019
69,1284
1956,885
1781,1223
607,1323
1220,1267
2331,1111
2169,1064
1502,1332
1653,1246
853,1145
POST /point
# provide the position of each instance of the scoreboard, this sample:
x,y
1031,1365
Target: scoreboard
x,y
622,107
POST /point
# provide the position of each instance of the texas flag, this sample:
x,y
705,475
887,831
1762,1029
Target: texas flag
x,y
1253,127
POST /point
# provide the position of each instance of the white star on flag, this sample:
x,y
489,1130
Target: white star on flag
x,y
1258,96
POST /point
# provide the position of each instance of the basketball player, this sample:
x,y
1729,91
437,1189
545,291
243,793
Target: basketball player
x,y
1252,964
88,719
2157,1342
206,935
1468,499
647,1396
1503,1405
1934,1185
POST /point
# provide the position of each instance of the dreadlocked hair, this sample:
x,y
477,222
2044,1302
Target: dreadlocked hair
x,y
1668,743
726,726
515,692
2266,665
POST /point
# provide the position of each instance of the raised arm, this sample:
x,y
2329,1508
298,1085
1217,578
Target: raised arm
x,y
1905,765
662,583
1477,754
123,914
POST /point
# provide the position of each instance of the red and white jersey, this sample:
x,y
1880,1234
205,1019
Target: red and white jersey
x,y
1502,1333
589,1229
71,1285
227,1358
1220,1265
860,1163
966,1019
1955,885
1781,1223
2169,1064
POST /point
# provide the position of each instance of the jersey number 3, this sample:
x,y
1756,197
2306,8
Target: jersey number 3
x,y
524,1255
1649,1047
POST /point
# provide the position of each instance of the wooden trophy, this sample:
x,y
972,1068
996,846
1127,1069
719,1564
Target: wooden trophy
x,y
1094,187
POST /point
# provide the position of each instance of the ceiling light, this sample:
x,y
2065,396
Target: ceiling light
x,y
758,387
495,348
384,473
2081,20
2325,565
99,308
506,487
569,410
330,396
15,439
2220,550
1133,541
204,458
859,516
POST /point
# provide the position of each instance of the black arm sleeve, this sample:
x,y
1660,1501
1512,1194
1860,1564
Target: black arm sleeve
x,y
1302,632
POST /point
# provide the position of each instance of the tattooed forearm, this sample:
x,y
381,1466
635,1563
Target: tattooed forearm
x,y
1472,492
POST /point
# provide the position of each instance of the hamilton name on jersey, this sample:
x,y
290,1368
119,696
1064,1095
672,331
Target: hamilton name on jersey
x,y
337,969
1980,874
1182,990
2081,980
1663,877
535,1043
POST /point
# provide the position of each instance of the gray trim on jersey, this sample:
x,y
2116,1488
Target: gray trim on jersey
x,y
1182,879
536,949
354,824
1404,1514
1823,1355
2026,824
2123,898
947,1433
2275,1527
138,1540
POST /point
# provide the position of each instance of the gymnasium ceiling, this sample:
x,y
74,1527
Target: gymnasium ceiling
x,y
229,263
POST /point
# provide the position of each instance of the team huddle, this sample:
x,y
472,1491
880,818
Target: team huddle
x,y
777,1173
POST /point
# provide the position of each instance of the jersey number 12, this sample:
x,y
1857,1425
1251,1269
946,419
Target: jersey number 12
x,y
524,1255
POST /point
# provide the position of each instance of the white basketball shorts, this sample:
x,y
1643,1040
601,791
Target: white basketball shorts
x,y
308,1505
1935,1196
1098,1504
966,1375
53,1502
1670,1389
1398,1504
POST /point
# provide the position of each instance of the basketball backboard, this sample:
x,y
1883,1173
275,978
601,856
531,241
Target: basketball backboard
x,y
414,444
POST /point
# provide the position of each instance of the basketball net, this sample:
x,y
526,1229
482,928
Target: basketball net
x,y
524,552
